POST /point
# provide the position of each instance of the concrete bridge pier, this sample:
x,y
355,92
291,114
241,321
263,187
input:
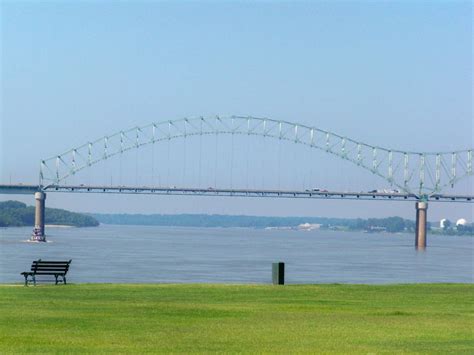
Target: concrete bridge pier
x,y
420,229
38,233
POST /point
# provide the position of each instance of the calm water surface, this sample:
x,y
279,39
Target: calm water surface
x,y
232,255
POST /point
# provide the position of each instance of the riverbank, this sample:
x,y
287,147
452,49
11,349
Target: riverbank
x,y
239,318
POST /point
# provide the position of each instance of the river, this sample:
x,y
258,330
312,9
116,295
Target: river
x,y
149,254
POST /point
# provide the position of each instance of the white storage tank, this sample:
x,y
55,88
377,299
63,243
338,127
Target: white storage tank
x,y
442,223
461,222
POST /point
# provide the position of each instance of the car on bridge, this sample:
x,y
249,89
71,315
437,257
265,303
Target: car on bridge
x,y
316,189
384,191
391,191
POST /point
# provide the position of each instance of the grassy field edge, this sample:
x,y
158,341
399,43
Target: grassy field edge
x,y
183,318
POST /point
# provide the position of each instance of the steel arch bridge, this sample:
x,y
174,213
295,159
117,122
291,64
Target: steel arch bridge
x,y
423,174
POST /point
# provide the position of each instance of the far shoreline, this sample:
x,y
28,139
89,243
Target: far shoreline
x,y
268,229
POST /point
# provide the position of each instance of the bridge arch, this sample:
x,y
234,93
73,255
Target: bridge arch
x,y
421,173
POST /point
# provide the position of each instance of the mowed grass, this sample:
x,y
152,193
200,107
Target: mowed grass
x,y
424,318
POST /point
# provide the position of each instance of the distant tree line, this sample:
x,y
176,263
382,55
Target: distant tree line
x,y
391,224
467,229
204,220
18,214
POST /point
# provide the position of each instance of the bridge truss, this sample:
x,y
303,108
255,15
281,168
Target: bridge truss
x,y
421,174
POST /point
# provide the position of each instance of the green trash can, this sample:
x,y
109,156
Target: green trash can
x,y
278,273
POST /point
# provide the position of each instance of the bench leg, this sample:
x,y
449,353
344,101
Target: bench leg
x,y
56,277
64,279
34,280
26,280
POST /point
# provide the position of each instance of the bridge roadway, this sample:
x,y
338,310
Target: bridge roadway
x,y
31,189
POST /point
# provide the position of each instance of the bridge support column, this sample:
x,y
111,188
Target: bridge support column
x,y
420,229
38,232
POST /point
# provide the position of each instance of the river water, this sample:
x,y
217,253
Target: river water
x,y
147,254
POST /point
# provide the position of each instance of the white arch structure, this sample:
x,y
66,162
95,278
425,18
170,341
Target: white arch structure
x,y
420,173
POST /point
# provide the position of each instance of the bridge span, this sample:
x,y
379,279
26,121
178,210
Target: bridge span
x,y
20,189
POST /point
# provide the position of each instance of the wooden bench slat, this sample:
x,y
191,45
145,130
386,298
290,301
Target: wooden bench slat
x,y
50,264
56,264
50,273
49,268
53,264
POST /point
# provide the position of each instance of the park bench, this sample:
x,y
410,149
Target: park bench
x,y
45,267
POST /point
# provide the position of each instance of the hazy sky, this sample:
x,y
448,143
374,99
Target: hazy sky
x,y
396,74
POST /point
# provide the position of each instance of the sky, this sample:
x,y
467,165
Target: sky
x,y
395,74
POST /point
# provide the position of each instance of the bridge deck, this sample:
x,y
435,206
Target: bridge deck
x,y
30,189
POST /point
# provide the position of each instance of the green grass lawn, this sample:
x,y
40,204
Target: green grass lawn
x,y
115,318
